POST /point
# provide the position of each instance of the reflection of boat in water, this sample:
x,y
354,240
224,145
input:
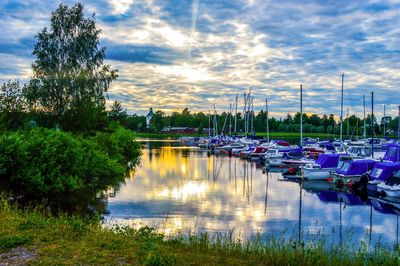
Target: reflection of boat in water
x,y
315,185
325,194
390,187
384,206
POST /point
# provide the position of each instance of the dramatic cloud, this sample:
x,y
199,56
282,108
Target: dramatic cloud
x,y
196,53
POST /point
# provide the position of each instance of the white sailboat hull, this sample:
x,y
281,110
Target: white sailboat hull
x,y
390,191
315,173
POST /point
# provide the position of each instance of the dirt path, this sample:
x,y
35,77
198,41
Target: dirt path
x,y
17,256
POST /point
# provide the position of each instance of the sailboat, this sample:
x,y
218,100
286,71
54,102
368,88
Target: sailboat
x,y
294,164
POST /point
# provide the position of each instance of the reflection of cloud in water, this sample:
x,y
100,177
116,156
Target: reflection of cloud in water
x,y
183,189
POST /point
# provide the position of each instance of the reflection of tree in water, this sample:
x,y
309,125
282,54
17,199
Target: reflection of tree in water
x,y
87,202
266,193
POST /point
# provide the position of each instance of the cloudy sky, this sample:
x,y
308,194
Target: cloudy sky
x,y
196,53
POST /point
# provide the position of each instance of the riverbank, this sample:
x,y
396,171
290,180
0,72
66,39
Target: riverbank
x,y
51,240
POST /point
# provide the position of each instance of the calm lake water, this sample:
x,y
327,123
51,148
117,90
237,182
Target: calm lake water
x,y
180,189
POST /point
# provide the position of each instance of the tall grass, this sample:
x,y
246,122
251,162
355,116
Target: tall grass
x,y
66,239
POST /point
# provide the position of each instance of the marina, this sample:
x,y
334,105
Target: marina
x,y
194,192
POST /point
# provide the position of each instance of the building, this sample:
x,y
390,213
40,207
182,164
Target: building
x,y
149,116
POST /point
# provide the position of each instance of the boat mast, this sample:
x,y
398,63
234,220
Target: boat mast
x,y
301,115
266,111
230,119
248,110
244,113
365,121
398,125
341,116
209,123
384,120
252,117
372,122
236,103
348,124
215,122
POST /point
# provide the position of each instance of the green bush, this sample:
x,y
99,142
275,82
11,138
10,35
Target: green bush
x,y
7,242
119,145
47,161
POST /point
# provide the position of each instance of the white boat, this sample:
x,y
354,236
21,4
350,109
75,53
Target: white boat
x,y
247,141
391,187
228,148
258,153
324,166
274,157
238,151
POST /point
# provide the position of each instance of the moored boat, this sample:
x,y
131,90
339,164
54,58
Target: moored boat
x,y
380,173
390,187
351,171
324,166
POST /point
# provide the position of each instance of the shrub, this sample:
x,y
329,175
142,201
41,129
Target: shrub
x,y
119,145
46,161
7,242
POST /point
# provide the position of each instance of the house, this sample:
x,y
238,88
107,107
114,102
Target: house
x,y
149,116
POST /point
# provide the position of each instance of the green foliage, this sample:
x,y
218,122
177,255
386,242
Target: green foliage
x,y
12,106
8,242
49,161
120,145
157,123
118,114
69,77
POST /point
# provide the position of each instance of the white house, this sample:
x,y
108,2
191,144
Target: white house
x,y
149,116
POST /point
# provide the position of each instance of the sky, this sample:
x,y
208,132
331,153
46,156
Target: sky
x,y
173,54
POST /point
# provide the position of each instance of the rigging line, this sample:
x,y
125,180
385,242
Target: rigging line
x,y
354,128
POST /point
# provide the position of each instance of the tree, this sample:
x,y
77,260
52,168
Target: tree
x,y
12,105
117,113
157,122
69,77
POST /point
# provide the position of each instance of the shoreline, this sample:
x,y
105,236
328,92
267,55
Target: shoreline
x,y
54,240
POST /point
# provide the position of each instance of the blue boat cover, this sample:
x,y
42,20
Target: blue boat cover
x,y
285,150
349,199
328,160
295,153
327,145
309,142
359,167
328,196
392,153
383,171
382,207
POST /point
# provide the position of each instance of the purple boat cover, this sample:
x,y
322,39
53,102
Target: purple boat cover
x,y
328,160
285,150
382,207
359,167
328,196
392,153
349,199
383,171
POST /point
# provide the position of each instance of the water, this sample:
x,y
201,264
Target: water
x,y
180,189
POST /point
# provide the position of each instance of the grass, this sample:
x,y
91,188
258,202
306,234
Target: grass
x,y
73,240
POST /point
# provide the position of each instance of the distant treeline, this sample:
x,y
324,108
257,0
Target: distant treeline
x,y
352,126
